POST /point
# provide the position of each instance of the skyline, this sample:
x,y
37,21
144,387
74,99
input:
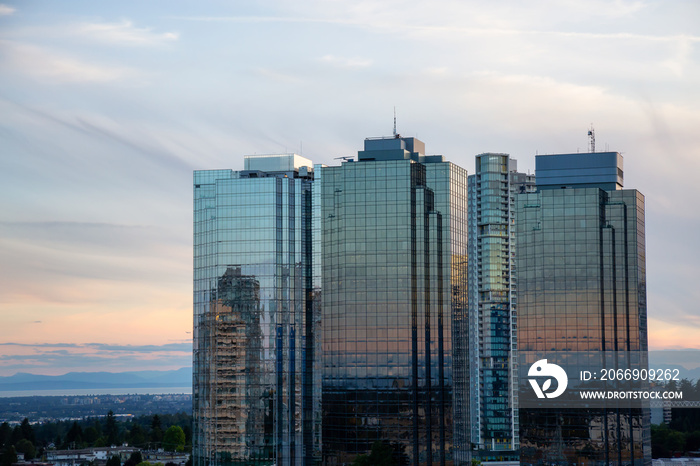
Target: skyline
x,y
106,111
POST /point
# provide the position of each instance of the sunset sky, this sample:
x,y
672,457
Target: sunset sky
x,y
107,107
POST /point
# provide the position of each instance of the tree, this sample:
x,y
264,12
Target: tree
x,y
27,430
16,435
692,441
137,436
5,433
134,459
174,439
112,429
380,455
74,437
9,456
187,428
26,447
156,430
98,427
91,435
114,461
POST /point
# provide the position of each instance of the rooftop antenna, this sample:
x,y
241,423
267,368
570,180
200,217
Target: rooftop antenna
x,y
591,134
396,135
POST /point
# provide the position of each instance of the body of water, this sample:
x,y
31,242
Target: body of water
x,y
99,391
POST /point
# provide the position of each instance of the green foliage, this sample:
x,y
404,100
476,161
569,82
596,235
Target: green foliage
x,y
114,461
475,462
112,429
96,432
174,439
90,435
137,436
74,437
5,433
26,447
666,442
380,455
27,431
156,429
9,456
16,435
135,458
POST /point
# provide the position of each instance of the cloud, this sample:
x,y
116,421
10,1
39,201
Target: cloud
x,y
124,33
446,21
6,10
168,347
58,358
43,63
41,345
182,346
343,62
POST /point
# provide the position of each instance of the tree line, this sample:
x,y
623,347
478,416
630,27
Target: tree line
x,y
682,434
172,432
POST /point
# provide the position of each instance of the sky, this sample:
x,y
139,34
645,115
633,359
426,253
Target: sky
x,y
106,108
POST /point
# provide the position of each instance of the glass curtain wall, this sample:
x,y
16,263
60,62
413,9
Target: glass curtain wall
x,y
255,308
394,257
582,287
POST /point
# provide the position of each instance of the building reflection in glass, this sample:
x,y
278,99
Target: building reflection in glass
x,y
256,394
394,275
582,287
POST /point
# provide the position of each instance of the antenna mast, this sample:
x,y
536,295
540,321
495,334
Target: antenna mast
x,y
591,134
395,122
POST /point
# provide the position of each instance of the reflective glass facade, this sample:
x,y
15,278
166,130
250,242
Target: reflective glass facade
x,y
582,287
394,279
493,311
256,392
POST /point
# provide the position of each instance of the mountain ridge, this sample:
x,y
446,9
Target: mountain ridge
x,y
23,381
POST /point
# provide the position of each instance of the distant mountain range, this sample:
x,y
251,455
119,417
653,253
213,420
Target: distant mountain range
x,y
98,380
160,379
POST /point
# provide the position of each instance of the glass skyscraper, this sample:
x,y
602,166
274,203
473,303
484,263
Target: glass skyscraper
x,y
394,303
493,314
256,390
582,290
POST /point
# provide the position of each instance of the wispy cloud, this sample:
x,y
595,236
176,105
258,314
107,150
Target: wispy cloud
x,y
276,75
6,10
344,62
124,33
446,28
58,358
183,346
43,63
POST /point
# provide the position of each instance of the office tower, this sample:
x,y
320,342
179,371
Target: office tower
x,y
394,279
256,307
582,291
493,399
